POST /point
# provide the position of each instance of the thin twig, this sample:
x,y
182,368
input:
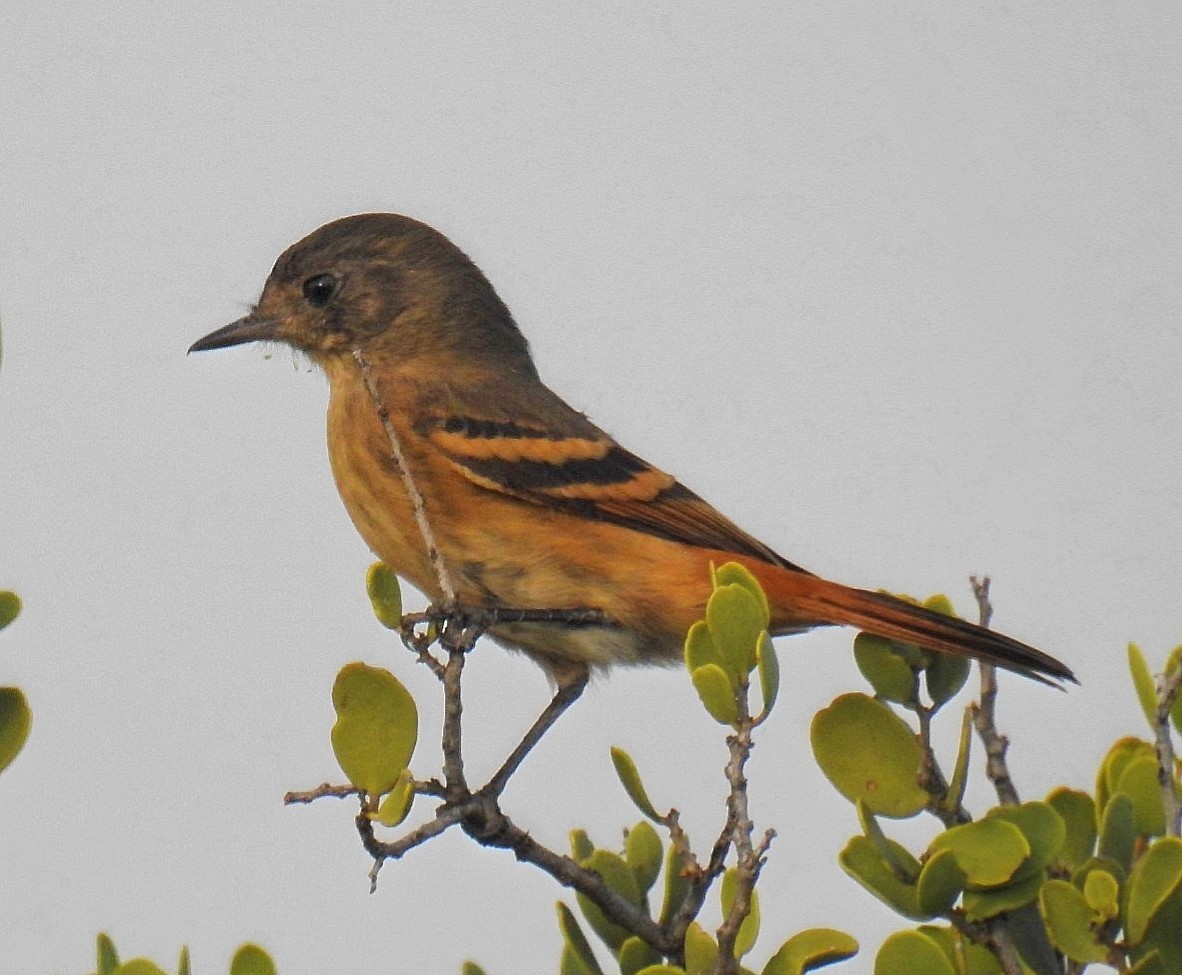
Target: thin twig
x,y
322,791
1168,687
985,713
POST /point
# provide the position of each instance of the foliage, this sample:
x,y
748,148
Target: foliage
x,y
249,959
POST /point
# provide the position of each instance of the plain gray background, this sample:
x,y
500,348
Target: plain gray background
x,y
894,284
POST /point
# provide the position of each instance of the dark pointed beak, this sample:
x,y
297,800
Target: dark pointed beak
x,y
249,328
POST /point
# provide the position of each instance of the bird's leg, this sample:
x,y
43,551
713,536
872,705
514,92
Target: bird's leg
x,y
570,689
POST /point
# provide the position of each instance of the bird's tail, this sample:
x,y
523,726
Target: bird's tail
x,y
810,600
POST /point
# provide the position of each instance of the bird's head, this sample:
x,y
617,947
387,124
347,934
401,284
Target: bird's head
x,y
381,284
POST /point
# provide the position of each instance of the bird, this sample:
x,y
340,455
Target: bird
x,y
479,485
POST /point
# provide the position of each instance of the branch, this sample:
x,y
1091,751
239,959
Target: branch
x,y
985,713
1168,687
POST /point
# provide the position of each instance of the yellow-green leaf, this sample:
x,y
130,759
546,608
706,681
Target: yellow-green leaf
x,y
869,753
1143,684
749,928
642,851
940,883
717,693
1078,812
376,728
732,573
576,941
700,950
769,674
139,966
620,878
810,950
989,851
699,647
15,721
182,965
385,595
107,958
1102,892
251,960
1118,831
1157,875
1069,922
861,860
1138,781
888,672
636,954
911,953
10,607
629,777
396,806
736,618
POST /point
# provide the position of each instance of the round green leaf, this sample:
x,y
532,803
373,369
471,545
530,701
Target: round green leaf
x,y
107,958
251,960
989,851
1043,829
911,953
376,728
945,676
629,777
385,595
980,905
1118,831
940,883
717,693
1119,755
1069,920
734,573
471,968
869,754
736,617
1156,876
888,672
1138,781
699,647
15,721
10,607
810,950
642,852
977,959
1078,813
1102,892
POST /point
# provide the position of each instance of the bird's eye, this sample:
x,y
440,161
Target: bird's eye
x,y
319,290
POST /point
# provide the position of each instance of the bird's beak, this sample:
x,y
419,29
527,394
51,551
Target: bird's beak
x,y
249,328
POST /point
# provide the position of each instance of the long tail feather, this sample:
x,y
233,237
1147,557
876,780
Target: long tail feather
x,y
815,600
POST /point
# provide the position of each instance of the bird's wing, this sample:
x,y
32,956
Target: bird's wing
x,y
545,452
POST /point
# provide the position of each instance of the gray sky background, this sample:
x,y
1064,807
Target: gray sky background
x,y
894,284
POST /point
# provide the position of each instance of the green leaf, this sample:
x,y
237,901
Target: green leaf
x,y
250,959
810,950
182,966
1043,829
107,958
1118,831
376,728
699,647
1144,684
982,904
139,966
890,674
10,607
945,676
861,860
1119,755
1025,928
396,806
676,885
471,968
619,877
701,951
869,754
717,693
1156,877
629,777
577,943
963,954
661,970
1069,921
385,595
636,954
1102,892
736,617
989,851
732,573
960,771
749,928
642,851
1138,781
1079,814
911,953
769,674
903,865
941,882
15,721
581,846
1150,964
